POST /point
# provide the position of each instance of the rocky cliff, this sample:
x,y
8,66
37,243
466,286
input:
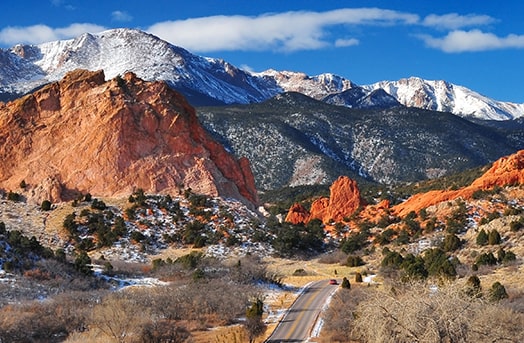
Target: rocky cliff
x,y
85,134
344,199
506,171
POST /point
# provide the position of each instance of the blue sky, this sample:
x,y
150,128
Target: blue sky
x,y
476,44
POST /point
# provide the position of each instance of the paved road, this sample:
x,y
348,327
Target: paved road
x,y
300,319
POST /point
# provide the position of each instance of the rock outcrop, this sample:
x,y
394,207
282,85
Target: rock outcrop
x,y
343,201
108,138
505,171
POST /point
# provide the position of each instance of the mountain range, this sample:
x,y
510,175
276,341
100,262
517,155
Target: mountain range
x,y
294,140
210,81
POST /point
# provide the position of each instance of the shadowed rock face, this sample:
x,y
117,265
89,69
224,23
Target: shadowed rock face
x,y
108,138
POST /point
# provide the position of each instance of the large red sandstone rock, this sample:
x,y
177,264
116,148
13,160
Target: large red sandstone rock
x,y
297,214
85,134
343,201
505,171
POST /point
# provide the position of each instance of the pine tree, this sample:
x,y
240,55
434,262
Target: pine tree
x,y
473,287
498,292
345,283
482,238
358,277
494,237
254,324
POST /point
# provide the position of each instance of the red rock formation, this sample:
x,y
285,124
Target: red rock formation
x,y
85,134
297,214
343,201
505,171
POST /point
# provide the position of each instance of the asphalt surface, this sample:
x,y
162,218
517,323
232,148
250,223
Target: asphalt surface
x,y
300,319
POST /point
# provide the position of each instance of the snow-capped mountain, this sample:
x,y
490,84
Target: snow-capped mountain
x,y
446,97
210,81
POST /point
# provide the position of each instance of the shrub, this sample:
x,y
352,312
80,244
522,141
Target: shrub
x,y
358,277
517,225
46,205
299,272
392,259
98,205
345,283
437,263
137,236
473,287
83,263
12,196
482,238
494,237
487,259
497,292
451,243
354,261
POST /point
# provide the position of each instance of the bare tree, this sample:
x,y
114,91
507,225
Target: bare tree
x,y
418,313
120,318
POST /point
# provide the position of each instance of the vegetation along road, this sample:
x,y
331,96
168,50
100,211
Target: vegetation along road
x,y
300,319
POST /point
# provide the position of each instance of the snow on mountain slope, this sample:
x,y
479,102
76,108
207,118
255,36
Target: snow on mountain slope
x,y
317,87
120,50
210,81
446,97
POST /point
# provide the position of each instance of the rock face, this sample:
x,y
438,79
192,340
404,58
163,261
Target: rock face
x,y
108,138
343,201
504,172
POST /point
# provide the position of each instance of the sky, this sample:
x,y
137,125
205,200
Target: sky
x,y
476,44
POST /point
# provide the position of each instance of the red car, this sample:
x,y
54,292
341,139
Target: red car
x,y
333,282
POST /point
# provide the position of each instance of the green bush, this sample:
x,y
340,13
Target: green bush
x,y
354,261
517,225
497,292
451,243
482,238
473,287
13,196
487,259
494,237
46,205
358,277
345,283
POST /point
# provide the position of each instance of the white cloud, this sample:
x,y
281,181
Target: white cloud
x,y
37,34
247,68
121,16
473,40
340,43
289,31
453,21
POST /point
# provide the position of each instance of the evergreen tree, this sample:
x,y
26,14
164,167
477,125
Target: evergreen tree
x,y
83,263
358,277
498,292
494,237
254,325
46,205
473,287
345,283
451,243
482,238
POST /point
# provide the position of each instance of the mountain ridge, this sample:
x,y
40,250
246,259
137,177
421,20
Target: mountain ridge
x,y
294,140
212,81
